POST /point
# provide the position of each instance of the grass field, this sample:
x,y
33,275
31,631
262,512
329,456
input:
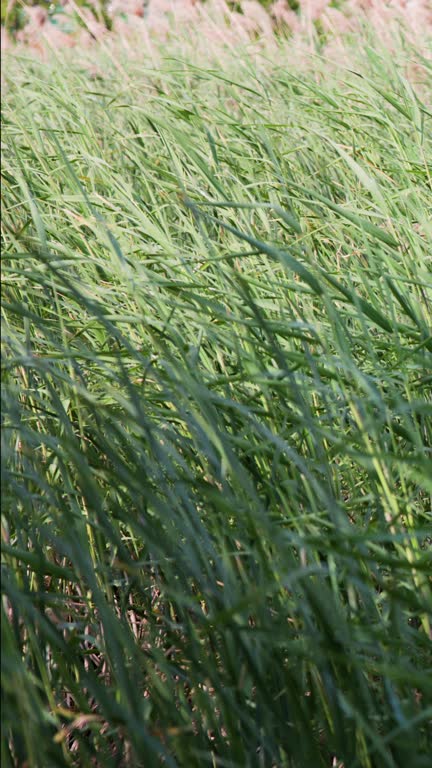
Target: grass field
x,y
217,412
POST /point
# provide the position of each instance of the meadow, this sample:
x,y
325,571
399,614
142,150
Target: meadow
x,y
217,408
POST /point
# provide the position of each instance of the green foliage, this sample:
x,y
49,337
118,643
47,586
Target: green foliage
x,y
295,5
13,16
216,404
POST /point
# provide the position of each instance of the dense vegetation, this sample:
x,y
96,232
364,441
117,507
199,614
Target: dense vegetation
x,y
14,15
216,402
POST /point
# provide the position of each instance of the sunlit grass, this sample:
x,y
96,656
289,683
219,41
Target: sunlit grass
x,y
217,413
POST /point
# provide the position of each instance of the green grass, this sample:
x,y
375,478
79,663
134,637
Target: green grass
x,y
217,415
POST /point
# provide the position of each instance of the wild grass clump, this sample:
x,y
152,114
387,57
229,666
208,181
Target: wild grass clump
x,y
217,428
